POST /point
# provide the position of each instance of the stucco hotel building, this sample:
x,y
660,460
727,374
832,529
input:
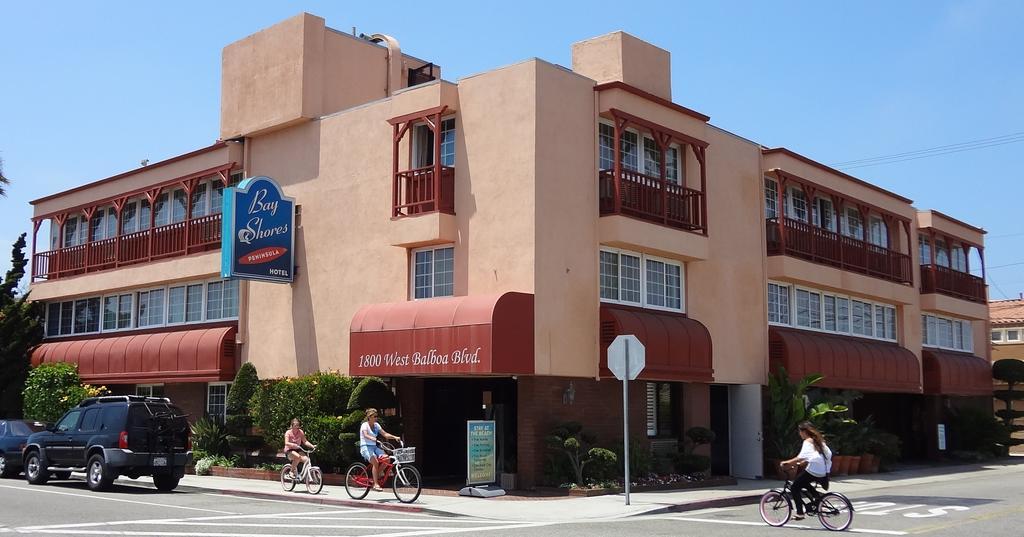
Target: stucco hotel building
x,y
479,243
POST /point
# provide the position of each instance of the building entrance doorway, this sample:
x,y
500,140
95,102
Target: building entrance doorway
x,y
447,404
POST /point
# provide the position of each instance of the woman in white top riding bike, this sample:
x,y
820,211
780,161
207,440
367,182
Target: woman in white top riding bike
x,y
369,431
818,457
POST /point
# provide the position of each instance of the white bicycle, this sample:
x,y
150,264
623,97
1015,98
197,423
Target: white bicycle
x,y
310,475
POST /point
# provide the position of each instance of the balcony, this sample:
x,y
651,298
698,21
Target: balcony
x,y
946,281
652,199
199,234
418,191
796,238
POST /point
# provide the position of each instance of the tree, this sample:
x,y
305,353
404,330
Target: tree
x,y
1010,371
54,388
3,179
569,439
21,329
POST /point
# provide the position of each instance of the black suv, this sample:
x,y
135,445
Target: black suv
x,y
111,436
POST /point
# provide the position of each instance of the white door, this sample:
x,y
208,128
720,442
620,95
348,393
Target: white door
x,y
745,449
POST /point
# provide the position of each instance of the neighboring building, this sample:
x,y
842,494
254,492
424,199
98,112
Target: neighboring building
x,y
480,243
1007,336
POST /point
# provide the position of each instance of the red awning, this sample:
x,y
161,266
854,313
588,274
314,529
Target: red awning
x,y
476,335
845,362
199,355
678,348
956,373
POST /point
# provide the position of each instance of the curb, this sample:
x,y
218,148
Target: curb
x,y
327,501
728,501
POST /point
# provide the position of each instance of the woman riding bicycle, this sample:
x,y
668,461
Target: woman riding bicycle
x,y
369,431
818,457
294,443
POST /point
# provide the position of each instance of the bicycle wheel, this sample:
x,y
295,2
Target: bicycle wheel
x,y
835,512
314,480
775,508
407,484
357,481
287,481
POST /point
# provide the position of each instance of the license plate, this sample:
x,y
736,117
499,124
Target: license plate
x,y
159,461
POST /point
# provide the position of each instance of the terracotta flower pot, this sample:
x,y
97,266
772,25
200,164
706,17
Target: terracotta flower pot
x,y
840,464
866,460
854,464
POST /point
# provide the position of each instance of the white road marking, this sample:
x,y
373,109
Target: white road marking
x,y
170,533
95,497
747,523
884,512
437,519
291,502
446,531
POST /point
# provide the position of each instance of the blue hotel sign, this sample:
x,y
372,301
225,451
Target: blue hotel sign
x,y
258,235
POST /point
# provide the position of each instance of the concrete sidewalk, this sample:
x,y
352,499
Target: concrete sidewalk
x,y
519,508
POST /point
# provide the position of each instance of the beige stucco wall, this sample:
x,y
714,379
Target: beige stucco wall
x,y
189,268
941,224
620,57
1003,351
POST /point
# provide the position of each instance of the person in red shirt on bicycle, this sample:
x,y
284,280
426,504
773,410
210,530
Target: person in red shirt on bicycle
x,y
369,431
294,442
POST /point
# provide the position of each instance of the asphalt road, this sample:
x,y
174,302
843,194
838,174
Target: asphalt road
x,y
975,507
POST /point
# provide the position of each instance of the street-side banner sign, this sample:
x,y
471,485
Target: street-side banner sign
x,y
258,236
480,452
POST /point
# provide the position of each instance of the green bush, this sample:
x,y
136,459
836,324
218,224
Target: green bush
x,y
242,390
277,401
569,439
974,429
210,437
325,432
690,463
238,424
641,461
372,392
54,388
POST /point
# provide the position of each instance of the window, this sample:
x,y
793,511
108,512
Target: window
x,y
830,313
434,272
857,318
151,308
997,335
67,317
423,144
824,214
879,321
222,300
941,254
652,158
924,250
639,154
110,313
1012,335
200,201
879,233
176,305
69,422
674,168
853,224
808,309
216,401
194,303
630,156
178,206
843,316
87,315
958,259
75,229
89,420
771,198
798,205
778,303
162,211
658,284
103,224
606,145
149,390
664,285
53,319
660,415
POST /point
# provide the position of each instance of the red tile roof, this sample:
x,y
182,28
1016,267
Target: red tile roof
x,y
1006,311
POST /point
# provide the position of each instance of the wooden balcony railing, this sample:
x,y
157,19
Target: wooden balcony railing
x,y
946,281
178,239
651,199
796,238
418,191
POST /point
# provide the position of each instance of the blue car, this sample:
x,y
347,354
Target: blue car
x,y
13,436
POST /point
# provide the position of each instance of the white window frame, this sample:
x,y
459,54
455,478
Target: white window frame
x,y
414,144
839,299
131,317
1006,335
789,301
149,388
791,209
816,213
847,230
412,271
679,178
879,225
771,196
227,391
643,279
995,332
958,328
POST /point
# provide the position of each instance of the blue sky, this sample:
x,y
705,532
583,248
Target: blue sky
x,y
90,89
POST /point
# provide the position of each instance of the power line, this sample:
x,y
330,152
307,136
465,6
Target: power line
x,y
937,148
934,154
1007,265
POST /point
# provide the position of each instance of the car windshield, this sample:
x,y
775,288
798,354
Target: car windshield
x,y
25,428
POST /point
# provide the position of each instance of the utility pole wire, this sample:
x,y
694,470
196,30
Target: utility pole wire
x,y
982,141
1017,140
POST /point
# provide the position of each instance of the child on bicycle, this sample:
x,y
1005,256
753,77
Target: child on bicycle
x,y
818,457
369,431
294,442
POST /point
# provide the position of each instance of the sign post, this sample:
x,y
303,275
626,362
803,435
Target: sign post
x,y
627,357
480,459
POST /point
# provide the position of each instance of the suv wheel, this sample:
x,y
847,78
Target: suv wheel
x,y
5,469
35,469
97,474
165,482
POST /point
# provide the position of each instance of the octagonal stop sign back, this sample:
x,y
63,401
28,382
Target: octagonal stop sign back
x,y
617,357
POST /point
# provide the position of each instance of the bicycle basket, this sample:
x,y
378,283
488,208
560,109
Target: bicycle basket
x,y
405,455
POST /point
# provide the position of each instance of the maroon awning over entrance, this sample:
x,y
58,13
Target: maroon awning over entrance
x,y
678,348
845,362
956,373
474,335
198,355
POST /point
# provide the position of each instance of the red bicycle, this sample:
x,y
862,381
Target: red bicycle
x,y
407,483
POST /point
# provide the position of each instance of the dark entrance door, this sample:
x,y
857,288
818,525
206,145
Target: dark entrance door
x,y
447,404
720,425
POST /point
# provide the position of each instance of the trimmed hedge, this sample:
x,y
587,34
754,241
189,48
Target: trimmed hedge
x,y
242,390
372,392
309,398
